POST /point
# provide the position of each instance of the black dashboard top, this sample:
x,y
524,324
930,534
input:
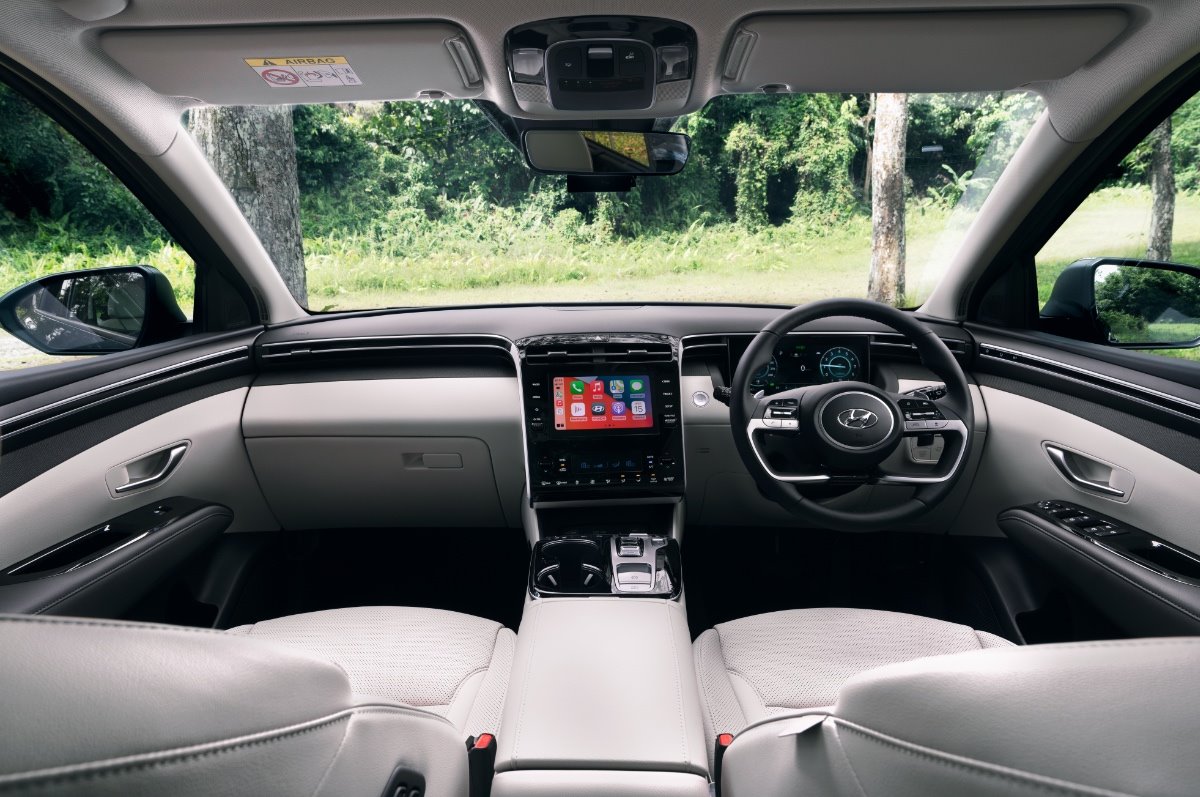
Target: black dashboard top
x,y
514,322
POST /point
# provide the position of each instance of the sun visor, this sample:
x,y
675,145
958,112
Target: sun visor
x,y
301,64
915,52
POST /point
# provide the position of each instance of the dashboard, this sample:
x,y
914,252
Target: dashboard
x,y
455,402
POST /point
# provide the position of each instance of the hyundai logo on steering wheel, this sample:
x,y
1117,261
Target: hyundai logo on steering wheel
x,y
857,418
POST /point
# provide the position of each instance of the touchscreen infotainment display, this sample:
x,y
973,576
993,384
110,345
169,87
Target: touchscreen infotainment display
x,y
602,402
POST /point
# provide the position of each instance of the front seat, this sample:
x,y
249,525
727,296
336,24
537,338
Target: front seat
x,y
783,662
344,702
1093,718
451,664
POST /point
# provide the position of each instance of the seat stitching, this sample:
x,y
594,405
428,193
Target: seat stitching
x,y
1041,782
463,683
683,741
99,769
850,766
525,690
1101,563
37,620
332,759
708,703
746,679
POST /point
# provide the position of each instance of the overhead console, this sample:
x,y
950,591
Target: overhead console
x,y
602,415
601,64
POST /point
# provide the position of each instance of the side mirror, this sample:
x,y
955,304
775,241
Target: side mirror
x,y
1136,304
95,311
605,152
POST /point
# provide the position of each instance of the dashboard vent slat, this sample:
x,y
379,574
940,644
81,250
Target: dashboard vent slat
x,y
605,351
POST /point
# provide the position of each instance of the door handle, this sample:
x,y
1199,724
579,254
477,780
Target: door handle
x,y
1062,460
169,460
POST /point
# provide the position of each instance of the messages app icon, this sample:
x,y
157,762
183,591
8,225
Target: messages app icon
x,y
577,387
636,386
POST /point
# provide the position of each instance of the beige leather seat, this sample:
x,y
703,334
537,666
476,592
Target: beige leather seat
x,y
815,715
782,662
330,703
451,664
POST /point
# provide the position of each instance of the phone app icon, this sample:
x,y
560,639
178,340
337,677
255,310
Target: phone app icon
x,y
616,386
638,407
636,385
577,386
598,386
578,410
597,409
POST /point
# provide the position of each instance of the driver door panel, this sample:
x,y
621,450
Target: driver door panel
x,y
1114,441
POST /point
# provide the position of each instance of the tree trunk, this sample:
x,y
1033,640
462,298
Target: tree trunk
x,y
1162,187
253,150
886,283
866,126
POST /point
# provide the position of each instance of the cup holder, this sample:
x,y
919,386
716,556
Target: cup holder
x,y
572,565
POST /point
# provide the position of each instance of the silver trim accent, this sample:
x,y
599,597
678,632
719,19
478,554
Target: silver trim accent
x,y
174,455
503,342
986,348
756,424
856,418
1059,457
130,380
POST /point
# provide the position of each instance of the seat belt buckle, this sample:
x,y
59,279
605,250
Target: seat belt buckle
x,y
723,742
481,764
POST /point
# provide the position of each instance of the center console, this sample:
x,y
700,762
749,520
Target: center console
x,y
602,416
603,697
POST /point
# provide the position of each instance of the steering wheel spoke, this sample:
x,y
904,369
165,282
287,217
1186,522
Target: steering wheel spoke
x,y
928,420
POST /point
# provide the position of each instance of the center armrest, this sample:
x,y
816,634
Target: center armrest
x,y
603,683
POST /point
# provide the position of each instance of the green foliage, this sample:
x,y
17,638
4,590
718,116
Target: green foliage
x,y
409,199
61,210
1146,294
46,174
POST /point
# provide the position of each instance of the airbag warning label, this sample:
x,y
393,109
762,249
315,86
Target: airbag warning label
x,y
305,71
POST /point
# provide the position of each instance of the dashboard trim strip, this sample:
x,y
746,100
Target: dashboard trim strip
x,y
1114,384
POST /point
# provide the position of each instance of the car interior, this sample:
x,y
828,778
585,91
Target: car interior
x,y
597,547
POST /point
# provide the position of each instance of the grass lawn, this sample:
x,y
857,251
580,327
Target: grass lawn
x,y
479,259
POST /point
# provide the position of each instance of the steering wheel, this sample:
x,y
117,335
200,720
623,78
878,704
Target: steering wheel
x,y
846,430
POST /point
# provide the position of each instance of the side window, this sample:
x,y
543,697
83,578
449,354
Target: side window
x,y
1122,270
63,210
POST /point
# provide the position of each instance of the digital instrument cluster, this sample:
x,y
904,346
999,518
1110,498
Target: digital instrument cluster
x,y
802,360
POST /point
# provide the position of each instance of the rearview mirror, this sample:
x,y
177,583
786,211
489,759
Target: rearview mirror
x,y
96,311
1132,303
605,152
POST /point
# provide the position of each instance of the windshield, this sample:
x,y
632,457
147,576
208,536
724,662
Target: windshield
x,y
785,199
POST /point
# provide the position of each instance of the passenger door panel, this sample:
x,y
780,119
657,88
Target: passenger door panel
x,y
68,450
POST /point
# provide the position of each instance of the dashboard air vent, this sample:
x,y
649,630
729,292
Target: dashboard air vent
x,y
610,351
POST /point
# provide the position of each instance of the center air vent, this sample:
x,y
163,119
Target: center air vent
x,y
597,349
